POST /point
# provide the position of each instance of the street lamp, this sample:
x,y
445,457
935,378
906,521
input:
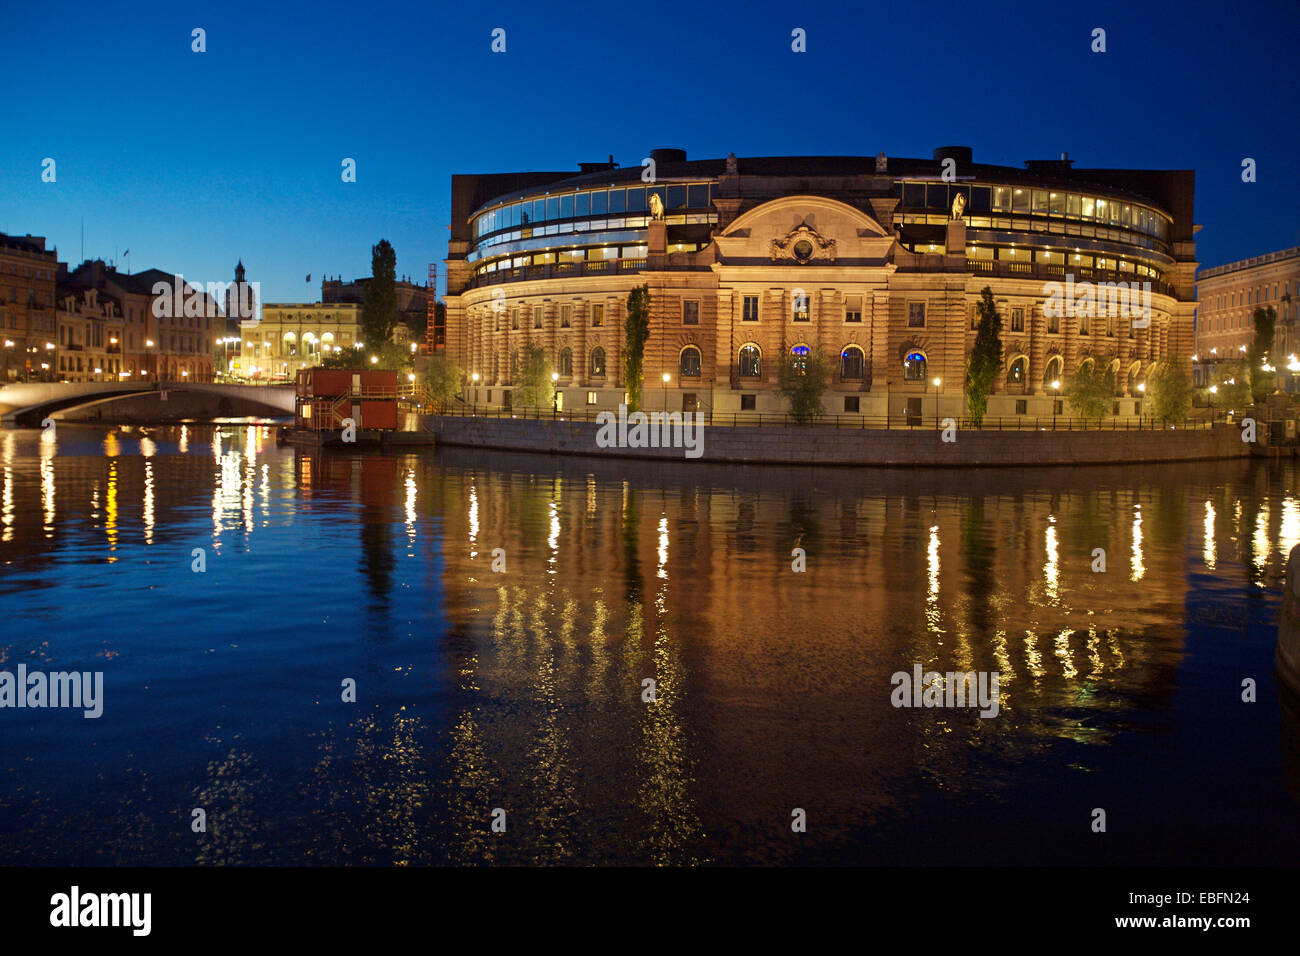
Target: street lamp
x,y
555,394
1056,389
667,379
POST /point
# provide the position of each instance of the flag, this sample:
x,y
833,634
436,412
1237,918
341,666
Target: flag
x,y
308,276
127,253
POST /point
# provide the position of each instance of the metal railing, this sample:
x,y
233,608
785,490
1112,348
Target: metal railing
x,y
902,422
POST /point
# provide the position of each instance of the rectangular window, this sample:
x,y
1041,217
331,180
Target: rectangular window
x,y
1053,324
597,316
1022,406
1017,320
699,196
1083,325
598,203
853,308
916,315
591,398
748,403
851,403
690,312
537,316
617,200
749,311
566,316
800,305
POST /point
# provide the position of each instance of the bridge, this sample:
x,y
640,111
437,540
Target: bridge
x,y
28,403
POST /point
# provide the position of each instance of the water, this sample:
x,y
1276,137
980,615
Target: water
x,y
523,690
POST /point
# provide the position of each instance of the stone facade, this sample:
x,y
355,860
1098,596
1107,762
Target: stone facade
x,y
27,312
90,337
296,335
757,257
1227,297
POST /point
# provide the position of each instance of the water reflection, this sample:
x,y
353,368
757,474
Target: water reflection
x,y
647,680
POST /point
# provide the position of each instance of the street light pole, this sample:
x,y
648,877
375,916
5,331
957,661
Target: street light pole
x,y
555,395
1056,389
667,377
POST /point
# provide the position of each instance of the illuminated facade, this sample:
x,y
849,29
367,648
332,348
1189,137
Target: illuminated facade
x,y
875,261
1227,297
27,320
293,336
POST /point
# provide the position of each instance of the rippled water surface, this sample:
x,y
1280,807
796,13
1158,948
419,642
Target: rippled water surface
x,y
522,689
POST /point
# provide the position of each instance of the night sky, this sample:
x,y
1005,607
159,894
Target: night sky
x,y
195,160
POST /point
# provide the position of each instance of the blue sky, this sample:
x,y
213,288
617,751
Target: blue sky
x,y
195,160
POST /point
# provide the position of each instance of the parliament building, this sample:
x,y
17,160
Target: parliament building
x,y
878,262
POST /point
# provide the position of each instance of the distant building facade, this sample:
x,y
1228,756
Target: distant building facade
x,y
90,336
412,299
1227,297
297,335
174,346
878,262
28,326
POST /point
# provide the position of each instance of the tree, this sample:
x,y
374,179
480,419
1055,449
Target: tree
x,y
442,378
1091,392
636,330
985,358
389,355
535,388
1232,387
1169,391
802,379
1257,353
379,307
349,357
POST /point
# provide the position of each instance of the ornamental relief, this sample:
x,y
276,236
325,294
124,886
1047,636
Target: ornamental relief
x,y
803,244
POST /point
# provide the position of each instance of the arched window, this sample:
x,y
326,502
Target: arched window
x,y
690,362
597,362
1055,366
914,366
750,362
566,361
852,363
800,353
1018,371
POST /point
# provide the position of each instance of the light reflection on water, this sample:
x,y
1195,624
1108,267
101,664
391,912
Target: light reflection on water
x,y
525,690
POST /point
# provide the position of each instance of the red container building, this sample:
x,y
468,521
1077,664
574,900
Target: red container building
x,y
326,397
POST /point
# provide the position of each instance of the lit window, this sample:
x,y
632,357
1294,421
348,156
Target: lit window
x,y
914,367
749,363
852,363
